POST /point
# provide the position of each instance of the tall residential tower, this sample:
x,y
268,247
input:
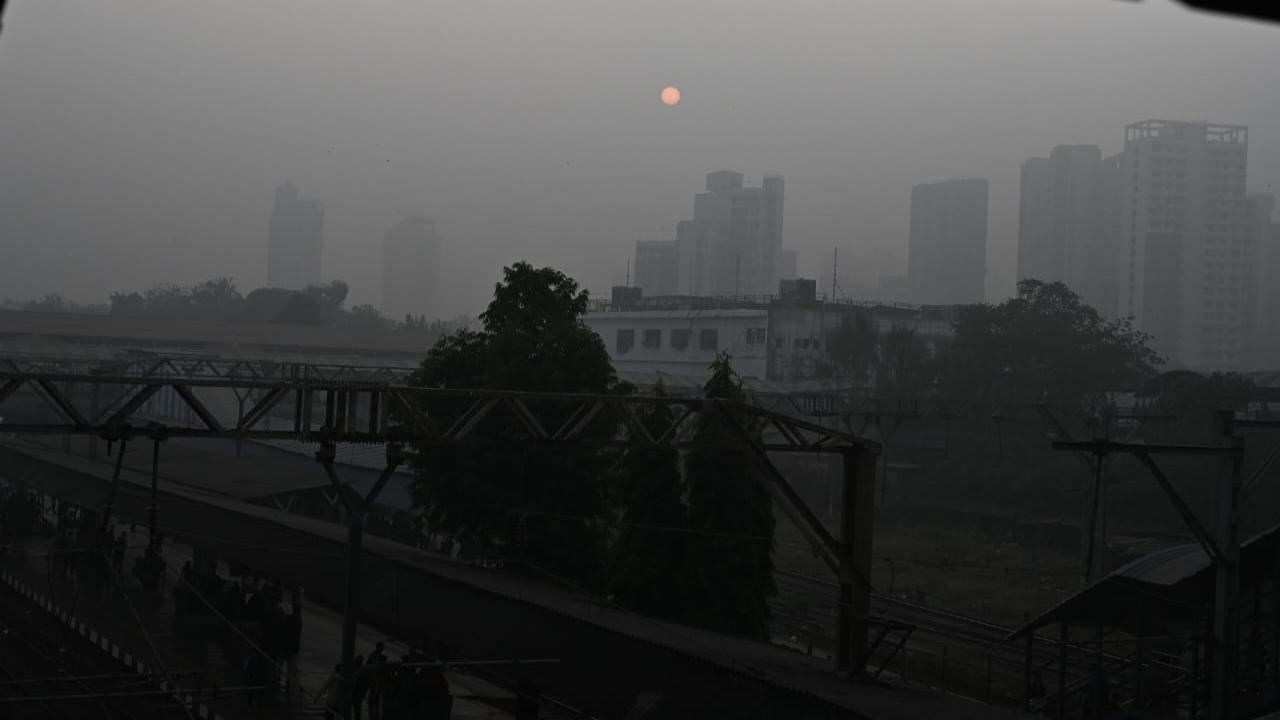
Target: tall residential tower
x,y
1068,223
296,240
732,246
1189,253
947,256
410,268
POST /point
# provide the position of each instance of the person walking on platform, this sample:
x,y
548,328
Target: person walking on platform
x,y
376,671
334,707
359,686
292,644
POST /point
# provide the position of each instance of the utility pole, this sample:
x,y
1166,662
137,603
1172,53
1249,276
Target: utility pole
x,y
1221,544
357,508
1227,579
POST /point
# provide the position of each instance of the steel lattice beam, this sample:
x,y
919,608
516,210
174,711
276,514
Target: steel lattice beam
x,y
352,412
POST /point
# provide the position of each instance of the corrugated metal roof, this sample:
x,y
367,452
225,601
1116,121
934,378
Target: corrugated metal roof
x,y
1167,567
1173,581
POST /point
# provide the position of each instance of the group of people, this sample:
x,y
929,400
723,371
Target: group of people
x,y
257,608
415,687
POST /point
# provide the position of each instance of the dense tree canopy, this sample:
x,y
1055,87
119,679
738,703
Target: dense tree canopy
x,y
220,300
546,505
650,547
1045,345
729,573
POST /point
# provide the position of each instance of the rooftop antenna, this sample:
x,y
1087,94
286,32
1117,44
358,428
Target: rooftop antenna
x,y
835,264
627,282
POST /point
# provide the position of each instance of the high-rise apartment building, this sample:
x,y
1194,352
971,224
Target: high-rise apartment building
x,y
1264,233
410,268
947,256
1188,252
732,246
657,267
1068,223
296,240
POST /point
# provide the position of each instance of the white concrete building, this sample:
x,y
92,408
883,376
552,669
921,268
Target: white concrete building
x,y
684,342
782,340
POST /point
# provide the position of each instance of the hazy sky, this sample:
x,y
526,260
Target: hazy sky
x,y
140,142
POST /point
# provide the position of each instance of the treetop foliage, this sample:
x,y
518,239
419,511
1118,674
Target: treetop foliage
x,y
1045,345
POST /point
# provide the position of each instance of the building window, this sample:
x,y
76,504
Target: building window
x,y
652,339
708,340
779,342
626,341
679,338
755,336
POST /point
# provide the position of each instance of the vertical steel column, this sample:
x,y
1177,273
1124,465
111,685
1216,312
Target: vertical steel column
x,y
1226,585
153,508
1137,656
355,540
1099,680
1275,623
857,519
1029,669
95,403
1195,671
356,508
1062,672
115,487
1092,563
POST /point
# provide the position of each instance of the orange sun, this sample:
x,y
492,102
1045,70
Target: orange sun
x,y
670,95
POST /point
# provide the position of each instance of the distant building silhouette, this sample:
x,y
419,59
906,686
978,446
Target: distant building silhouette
x,y
410,268
1189,251
732,246
1269,327
658,267
947,255
1263,233
296,240
1069,223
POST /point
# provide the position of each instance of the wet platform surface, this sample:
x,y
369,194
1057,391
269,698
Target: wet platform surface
x,y
204,653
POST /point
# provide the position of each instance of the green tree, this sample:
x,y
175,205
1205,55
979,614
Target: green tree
x,y
1043,346
1191,400
132,304
366,318
215,299
650,549
905,368
547,504
730,569
852,349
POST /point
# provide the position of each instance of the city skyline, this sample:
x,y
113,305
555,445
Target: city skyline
x,y
163,141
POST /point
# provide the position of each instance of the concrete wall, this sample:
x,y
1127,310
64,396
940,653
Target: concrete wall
x,y
741,333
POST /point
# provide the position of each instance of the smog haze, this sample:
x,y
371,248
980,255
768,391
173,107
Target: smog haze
x,y
140,142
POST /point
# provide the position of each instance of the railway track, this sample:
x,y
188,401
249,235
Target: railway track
x,y
956,651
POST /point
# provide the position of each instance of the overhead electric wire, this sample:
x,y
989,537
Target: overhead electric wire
x,y
146,636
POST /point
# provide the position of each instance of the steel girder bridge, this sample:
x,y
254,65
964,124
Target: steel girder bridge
x,y
252,400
